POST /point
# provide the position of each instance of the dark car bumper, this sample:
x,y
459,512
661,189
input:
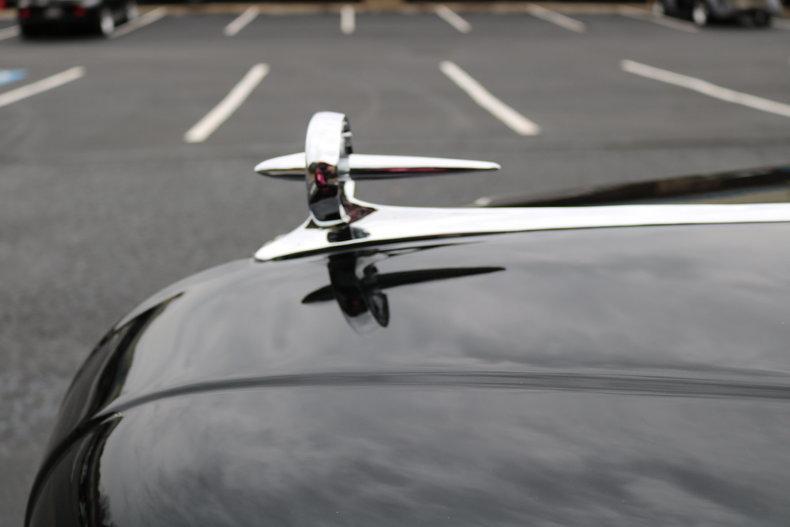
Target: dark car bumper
x,y
54,16
727,9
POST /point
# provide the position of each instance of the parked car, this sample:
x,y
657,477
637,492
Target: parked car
x,y
553,365
757,13
40,17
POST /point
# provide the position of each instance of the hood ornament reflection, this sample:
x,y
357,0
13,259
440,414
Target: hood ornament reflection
x,y
359,288
330,168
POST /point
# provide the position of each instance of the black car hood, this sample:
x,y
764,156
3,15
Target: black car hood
x,y
607,376
421,455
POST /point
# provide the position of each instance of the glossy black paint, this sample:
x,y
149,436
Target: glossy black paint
x,y
357,286
633,376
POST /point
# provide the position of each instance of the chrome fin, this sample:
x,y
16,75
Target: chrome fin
x,y
371,166
329,168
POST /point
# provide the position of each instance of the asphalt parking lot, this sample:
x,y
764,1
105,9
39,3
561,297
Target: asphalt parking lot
x,y
114,182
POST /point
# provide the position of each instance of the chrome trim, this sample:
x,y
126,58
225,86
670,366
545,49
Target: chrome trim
x,y
338,220
367,166
327,147
330,168
387,224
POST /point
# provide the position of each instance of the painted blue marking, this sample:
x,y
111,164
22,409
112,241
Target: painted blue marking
x,y
9,76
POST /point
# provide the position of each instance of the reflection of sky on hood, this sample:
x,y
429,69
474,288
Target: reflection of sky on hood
x,y
668,298
437,456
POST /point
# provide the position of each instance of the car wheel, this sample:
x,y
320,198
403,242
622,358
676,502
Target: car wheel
x,y
130,11
700,15
28,32
105,24
761,19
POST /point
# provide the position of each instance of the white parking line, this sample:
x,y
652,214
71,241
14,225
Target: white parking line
x,y
453,18
34,88
514,120
706,88
9,32
220,113
641,14
347,22
241,21
143,20
565,22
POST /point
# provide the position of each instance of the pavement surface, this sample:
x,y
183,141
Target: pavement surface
x,y
103,202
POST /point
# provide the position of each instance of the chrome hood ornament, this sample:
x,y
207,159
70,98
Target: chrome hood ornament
x,y
330,169
338,220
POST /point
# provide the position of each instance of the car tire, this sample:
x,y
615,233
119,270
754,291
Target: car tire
x,y
105,22
130,11
28,32
761,19
700,14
